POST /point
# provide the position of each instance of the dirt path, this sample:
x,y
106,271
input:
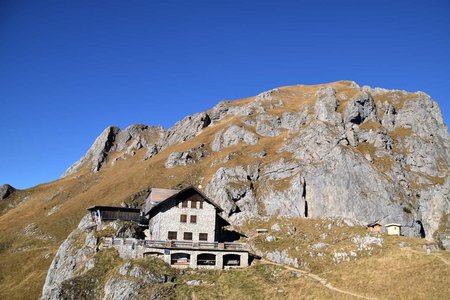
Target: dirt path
x,y
317,278
435,254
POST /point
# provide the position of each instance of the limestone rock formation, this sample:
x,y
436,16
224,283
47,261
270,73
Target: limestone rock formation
x,y
185,129
112,139
82,271
233,135
326,105
69,259
332,150
360,108
185,158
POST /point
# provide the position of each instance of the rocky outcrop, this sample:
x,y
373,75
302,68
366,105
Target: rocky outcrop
x,y
268,125
233,135
326,106
121,288
360,108
282,257
423,116
5,191
112,139
294,120
191,156
232,189
329,176
185,129
80,270
70,259
265,100
96,155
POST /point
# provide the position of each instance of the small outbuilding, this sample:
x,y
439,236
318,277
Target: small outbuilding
x,y
393,228
111,213
374,227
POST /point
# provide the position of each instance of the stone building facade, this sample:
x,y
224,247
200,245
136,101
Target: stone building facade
x,y
185,229
187,216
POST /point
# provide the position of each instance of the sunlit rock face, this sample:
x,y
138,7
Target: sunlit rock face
x,y
331,150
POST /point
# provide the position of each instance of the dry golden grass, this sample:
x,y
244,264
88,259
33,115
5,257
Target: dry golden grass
x,y
256,282
397,274
389,272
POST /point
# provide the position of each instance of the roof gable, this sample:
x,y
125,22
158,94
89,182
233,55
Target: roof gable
x,y
180,194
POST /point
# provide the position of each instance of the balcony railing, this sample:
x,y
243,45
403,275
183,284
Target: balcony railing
x,y
196,245
174,244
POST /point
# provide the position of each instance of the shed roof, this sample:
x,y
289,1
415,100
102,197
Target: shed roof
x,y
373,224
116,208
393,224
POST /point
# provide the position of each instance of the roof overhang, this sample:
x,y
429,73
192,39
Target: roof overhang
x,y
181,192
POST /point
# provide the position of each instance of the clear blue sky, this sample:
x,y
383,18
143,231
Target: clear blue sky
x,y
68,69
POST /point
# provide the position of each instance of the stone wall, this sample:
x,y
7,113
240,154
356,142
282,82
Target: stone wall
x,y
168,219
133,248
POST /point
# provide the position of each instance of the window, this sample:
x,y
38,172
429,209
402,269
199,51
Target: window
x,y
201,204
184,203
193,203
187,236
172,235
203,237
193,219
183,218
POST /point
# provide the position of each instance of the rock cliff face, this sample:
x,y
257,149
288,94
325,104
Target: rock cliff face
x,y
125,143
81,271
332,150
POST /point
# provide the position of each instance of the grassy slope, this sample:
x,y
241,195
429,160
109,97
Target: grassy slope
x,y
24,258
389,272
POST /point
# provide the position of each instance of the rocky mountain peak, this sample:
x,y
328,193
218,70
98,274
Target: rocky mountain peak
x,y
114,140
328,150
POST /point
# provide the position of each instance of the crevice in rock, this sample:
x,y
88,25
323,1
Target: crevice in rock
x,y
356,120
304,197
421,229
234,210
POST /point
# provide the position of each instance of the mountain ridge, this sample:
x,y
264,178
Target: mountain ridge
x,y
344,105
